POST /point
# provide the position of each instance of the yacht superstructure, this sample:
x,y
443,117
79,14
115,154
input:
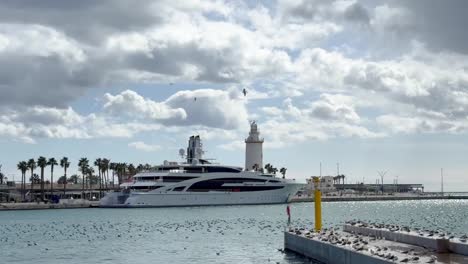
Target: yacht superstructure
x,y
199,182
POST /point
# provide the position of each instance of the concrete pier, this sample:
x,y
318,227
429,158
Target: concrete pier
x,y
325,252
439,242
339,247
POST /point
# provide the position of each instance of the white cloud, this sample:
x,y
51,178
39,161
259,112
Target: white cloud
x,y
139,145
391,19
418,82
37,40
211,108
421,124
269,49
332,116
235,145
135,106
213,113
335,107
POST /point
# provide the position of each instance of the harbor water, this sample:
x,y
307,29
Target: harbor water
x,y
218,234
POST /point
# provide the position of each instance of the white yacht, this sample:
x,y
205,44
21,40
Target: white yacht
x,y
198,182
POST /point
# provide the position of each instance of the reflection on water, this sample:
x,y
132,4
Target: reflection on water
x,y
227,234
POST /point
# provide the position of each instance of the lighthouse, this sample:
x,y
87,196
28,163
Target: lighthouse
x,y
253,149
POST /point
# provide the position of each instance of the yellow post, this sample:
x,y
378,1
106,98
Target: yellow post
x,y
318,205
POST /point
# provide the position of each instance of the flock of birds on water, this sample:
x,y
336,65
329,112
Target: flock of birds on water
x,y
189,236
151,233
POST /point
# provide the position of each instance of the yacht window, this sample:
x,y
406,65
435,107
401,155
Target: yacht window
x,y
217,185
193,169
220,169
176,178
145,187
179,189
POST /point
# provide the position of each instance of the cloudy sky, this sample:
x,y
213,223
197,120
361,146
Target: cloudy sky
x,y
373,85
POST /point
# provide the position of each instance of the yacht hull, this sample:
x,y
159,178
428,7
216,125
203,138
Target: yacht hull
x,y
173,199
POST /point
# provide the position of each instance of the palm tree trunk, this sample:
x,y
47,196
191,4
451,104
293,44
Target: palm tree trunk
x,y
51,181
107,178
32,184
42,184
83,183
22,185
65,183
100,183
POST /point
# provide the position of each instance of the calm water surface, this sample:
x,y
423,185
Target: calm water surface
x,y
228,234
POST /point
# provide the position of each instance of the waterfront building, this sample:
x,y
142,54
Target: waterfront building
x,y
326,184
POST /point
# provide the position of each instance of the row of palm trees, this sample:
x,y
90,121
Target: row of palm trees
x,y
42,163
123,170
270,169
340,179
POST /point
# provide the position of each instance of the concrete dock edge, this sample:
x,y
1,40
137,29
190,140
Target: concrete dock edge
x,y
440,245
327,253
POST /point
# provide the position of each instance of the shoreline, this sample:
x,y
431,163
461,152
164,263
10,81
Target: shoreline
x,y
88,204
44,206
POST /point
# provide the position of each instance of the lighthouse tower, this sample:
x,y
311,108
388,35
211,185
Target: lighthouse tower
x,y
253,149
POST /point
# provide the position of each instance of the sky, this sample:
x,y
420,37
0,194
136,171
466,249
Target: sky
x,y
371,85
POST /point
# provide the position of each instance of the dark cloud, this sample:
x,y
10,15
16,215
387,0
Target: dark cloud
x,y
84,20
441,25
358,13
50,81
325,10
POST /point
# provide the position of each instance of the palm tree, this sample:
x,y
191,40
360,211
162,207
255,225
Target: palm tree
x,y
255,167
113,167
274,170
64,163
98,164
23,167
283,171
90,180
83,163
121,171
52,162
32,166
102,181
105,168
140,167
73,179
2,176
131,169
42,163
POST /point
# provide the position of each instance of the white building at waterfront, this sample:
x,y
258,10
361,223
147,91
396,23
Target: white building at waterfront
x,y
254,149
326,184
